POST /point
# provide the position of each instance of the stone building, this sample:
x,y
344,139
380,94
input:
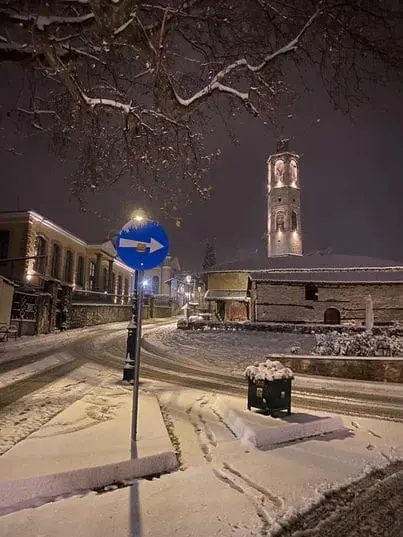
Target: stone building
x,y
286,286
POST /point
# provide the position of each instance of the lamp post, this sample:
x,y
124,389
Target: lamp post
x,y
188,280
129,367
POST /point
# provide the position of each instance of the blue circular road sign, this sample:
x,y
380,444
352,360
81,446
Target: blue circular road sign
x,y
142,245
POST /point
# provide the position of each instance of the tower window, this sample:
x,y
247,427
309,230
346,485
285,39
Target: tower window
x,y
280,221
294,221
279,171
311,292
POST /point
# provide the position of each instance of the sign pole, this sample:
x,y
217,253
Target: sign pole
x,y
142,245
128,369
138,317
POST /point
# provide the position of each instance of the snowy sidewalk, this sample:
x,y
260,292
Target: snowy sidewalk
x,y
225,488
86,446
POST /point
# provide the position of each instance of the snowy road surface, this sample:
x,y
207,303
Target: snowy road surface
x,y
230,351
26,402
223,488
323,487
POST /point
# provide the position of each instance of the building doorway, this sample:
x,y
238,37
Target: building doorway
x,y
220,311
332,316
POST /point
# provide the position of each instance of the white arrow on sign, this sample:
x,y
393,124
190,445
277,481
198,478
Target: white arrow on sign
x,y
154,245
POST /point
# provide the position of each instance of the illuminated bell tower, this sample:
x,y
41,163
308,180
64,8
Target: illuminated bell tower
x,y
284,232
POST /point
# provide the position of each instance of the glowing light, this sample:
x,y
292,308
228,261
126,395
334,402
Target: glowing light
x,y
139,215
145,283
29,276
188,279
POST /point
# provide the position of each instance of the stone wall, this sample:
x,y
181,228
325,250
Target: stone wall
x,y
285,302
93,314
377,369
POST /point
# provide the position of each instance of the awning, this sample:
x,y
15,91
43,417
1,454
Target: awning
x,y
239,296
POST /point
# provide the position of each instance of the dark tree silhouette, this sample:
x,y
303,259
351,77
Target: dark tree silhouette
x,y
209,256
132,88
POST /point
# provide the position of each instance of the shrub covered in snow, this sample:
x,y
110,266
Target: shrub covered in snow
x,y
361,344
268,370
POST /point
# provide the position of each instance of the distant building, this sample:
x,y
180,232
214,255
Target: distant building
x,y
41,258
287,286
37,250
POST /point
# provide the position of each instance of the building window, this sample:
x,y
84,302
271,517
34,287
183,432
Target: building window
x,y
56,258
68,267
120,285
311,292
293,221
40,255
91,275
155,285
280,221
4,243
80,271
113,283
105,279
126,289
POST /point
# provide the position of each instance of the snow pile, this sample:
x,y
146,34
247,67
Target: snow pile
x,y
268,370
363,344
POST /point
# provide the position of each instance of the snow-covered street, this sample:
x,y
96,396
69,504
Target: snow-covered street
x,y
223,486
227,488
230,351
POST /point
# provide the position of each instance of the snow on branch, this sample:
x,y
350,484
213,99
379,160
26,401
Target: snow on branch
x,y
127,109
42,21
123,27
215,83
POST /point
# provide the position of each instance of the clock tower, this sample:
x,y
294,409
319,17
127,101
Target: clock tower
x,y
284,233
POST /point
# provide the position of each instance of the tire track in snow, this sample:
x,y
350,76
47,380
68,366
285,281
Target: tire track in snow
x,y
206,437
256,494
260,497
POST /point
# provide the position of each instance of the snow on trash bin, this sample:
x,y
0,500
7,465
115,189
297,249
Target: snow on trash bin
x,y
269,370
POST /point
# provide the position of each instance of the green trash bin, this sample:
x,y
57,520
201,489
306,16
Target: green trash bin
x,y
270,395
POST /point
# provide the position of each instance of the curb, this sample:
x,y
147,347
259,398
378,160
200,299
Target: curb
x,y
263,437
32,492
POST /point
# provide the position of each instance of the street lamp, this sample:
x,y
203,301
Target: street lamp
x,y
188,279
139,215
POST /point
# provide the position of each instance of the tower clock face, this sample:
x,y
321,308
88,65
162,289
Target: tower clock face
x,y
279,170
294,170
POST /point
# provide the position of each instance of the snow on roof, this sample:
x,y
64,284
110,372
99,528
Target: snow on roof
x,y
317,267
268,370
332,276
317,260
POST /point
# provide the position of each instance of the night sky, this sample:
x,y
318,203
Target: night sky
x,y
351,178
